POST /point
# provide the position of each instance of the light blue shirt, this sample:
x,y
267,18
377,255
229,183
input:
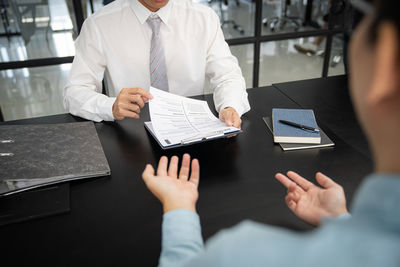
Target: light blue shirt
x,y
370,237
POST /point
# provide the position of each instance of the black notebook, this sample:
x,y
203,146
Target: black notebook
x,y
37,155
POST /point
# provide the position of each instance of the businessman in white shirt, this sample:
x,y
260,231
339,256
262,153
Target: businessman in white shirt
x,y
169,44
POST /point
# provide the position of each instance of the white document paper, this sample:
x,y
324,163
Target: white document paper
x,y
180,120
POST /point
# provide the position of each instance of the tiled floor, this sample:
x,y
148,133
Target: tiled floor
x,y
36,92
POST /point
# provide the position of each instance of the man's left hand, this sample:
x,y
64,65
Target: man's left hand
x,y
311,202
230,116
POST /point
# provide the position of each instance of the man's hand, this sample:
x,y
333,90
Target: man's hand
x,y
129,102
230,117
174,192
310,202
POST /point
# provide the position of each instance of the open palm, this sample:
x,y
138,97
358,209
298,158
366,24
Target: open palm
x,y
310,202
174,191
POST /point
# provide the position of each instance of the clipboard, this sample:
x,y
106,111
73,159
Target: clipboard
x,y
192,140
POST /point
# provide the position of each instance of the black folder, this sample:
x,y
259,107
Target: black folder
x,y
37,155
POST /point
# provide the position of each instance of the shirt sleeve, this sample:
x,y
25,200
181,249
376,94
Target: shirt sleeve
x,y
341,217
246,244
181,238
222,68
82,94
344,216
254,244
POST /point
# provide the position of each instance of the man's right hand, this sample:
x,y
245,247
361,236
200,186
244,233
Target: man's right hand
x,y
175,191
129,102
310,202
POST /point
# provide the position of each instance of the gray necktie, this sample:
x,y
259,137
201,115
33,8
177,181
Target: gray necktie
x,y
158,68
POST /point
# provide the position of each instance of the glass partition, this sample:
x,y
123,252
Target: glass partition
x,y
36,29
33,92
280,61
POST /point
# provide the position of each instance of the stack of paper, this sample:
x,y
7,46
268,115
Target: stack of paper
x,y
177,120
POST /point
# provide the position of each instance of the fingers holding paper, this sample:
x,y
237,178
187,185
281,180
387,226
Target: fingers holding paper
x,y
310,202
173,191
230,116
129,102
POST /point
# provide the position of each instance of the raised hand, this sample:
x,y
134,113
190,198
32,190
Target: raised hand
x,y
310,202
173,190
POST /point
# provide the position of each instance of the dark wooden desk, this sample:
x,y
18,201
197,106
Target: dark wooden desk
x,y
116,221
330,99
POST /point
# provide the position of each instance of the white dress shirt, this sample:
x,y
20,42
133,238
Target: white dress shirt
x,y
116,41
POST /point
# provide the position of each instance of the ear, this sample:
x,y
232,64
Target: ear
x,y
386,82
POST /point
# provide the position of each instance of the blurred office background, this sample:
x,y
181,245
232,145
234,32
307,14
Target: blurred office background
x,y
274,41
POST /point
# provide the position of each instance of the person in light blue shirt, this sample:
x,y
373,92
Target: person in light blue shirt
x,y
368,237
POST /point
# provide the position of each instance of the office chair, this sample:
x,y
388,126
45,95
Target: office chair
x,y
222,16
281,21
22,7
4,17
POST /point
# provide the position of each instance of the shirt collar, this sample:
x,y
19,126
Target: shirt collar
x,y
142,13
378,200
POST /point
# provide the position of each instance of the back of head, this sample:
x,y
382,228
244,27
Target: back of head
x,y
375,79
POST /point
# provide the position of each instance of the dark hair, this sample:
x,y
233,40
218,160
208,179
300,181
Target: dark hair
x,y
385,10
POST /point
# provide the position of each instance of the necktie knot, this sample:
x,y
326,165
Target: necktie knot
x,y
154,23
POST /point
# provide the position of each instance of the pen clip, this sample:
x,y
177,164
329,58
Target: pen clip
x,y
7,141
315,130
6,154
